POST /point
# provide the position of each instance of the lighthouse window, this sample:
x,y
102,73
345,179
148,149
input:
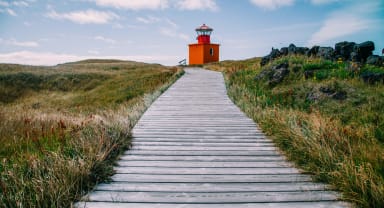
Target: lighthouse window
x,y
211,51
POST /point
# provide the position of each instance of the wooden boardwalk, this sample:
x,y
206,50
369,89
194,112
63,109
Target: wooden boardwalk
x,y
194,148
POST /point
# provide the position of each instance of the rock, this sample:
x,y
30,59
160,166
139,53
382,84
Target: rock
x,y
327,90
326,53
265,60
279,73
291,49
341,95
334,94
364,50
313,51
275,74
372,77
375,60
355,57
344,49
275,53
284,51
301,50
263,75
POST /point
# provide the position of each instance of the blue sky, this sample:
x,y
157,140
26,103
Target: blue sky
x,y
48,32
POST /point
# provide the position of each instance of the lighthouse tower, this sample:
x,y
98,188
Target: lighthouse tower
x,y
203,51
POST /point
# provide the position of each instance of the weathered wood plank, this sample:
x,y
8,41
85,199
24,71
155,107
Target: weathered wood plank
x,y
210,164
179,136
323,204
229,178
198,140
228,197
210,187
205,171
204,144
246,158
204,148
202,153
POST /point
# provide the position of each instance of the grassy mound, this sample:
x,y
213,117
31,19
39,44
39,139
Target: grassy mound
x,y
324,115
62,126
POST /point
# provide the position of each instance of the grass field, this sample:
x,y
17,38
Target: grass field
x,y
62,126
323,116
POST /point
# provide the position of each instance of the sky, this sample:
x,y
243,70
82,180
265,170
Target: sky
x,y
50,32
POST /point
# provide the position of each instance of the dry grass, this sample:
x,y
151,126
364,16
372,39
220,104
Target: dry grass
x,y
338,141
57,142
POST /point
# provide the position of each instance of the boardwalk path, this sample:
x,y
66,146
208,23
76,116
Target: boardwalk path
x,y
195,148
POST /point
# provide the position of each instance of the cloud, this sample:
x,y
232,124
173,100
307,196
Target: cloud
x,y
197,5
35,58
134,4
104,39
272,4
173,33
148,20
4,4
346,21
13,42
171,29
20,3
89,16
11,12
49,58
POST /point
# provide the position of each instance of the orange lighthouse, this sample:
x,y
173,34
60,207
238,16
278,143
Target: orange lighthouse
x,y
203,51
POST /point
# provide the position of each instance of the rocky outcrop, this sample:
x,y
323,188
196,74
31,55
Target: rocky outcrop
x,y
347,51
326,53
275,74
364,50
344,49
372,77
375,60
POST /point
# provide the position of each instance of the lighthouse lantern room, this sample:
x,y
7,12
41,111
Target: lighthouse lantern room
x,y
203,51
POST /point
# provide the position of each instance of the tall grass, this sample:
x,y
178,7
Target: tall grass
x,y
337,139
58,142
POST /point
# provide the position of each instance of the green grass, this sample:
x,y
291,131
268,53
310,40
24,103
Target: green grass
x,y
330,123
63,126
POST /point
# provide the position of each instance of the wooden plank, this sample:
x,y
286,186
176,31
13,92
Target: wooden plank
x,y
210,164
202,143
322,204
205,171
202,158
258,136
202,153
194,130
228,197
229,178
210,187
196,135
198,140
206,148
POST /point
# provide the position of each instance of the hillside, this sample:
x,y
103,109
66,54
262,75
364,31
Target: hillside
x,y
326,115
62,126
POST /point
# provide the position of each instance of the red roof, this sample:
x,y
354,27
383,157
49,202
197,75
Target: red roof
x,y
204,28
